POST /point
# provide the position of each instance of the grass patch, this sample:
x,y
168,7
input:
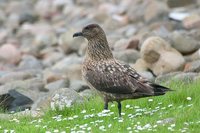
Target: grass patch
x,y
176,111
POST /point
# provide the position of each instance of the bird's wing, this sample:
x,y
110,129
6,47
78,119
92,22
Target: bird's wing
x,y
118,78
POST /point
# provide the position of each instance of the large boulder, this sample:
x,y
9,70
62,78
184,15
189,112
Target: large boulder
x,y
184,43
160,57
58,99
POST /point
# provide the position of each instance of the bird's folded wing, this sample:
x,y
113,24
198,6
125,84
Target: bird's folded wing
x,y
119,81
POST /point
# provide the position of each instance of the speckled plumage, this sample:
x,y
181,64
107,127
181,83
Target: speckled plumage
x,y
113,80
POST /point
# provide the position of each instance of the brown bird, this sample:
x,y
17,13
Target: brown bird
x,y
113,80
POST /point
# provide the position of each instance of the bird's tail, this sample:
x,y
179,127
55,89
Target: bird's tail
x,y
160,90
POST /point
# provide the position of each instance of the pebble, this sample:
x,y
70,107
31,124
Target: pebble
x,y
180,42
9,54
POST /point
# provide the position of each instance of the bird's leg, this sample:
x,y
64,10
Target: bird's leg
x,y
105,104
119,108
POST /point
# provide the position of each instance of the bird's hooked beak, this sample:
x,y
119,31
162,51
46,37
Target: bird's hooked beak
x,y
78,34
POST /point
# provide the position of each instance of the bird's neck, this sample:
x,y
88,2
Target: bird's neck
x,y
98,49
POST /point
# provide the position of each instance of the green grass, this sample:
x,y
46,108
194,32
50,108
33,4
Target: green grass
x,y
174,105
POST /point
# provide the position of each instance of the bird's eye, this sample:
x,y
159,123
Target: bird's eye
x,y
87,28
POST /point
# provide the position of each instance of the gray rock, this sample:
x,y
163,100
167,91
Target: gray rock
x,y
135,14
63,83
166,77
128,56
69,66
166,121
31,88
51,76
140,65
20,102
88,93
197,78
30,62
147,75
121,44
194,56
192,21
177,76
186,77
58,99
28,113
179,3
27,17
193,66
18,75
68,43
155,10
184,43
78,85
51,58
67,62
4,116
42,8
42,40
12,20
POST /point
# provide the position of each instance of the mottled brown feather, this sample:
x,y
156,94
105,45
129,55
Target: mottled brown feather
x,y
115,81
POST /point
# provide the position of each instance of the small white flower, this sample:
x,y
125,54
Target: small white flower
x,y
128,128
189,105
150,100
136,131
170,105
89,128
189,98
12,131
56,131
6,131
102,127
70,118
44,126
75,116
147,126
139,128
159,122
121,120
105,111
154,126
112,105
110,125
122,113
163,108
83,111
92,109
170,128
173,125
136,107
128,106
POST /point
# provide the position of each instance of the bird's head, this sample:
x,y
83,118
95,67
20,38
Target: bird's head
x,y
98,47
91,31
